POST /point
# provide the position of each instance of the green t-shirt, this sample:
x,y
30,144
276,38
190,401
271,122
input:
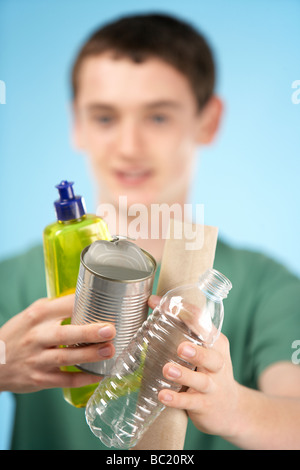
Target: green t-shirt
x,y
262,320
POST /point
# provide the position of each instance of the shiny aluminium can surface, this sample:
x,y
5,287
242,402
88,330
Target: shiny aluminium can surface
x,y
115,290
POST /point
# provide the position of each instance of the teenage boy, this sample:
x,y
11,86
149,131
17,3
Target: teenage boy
x,y
144,102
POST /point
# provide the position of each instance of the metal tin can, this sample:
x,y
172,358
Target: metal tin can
x,y
109,298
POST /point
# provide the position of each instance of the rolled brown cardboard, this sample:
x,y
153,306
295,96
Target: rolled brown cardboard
x,y
182,263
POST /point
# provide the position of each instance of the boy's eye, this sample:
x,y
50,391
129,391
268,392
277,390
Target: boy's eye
x,y
159,118
103,119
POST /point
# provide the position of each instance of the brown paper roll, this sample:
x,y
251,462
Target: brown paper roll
x,y
182,263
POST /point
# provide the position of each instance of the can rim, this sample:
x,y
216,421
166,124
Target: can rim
x,y
152,259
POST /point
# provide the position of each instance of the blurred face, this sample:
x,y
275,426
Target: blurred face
x,y
139,126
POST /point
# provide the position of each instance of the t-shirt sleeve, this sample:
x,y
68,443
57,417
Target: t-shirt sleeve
x,y
10,288
22,281
276,321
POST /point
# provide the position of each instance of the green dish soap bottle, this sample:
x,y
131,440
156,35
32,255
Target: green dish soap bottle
x,y
63,243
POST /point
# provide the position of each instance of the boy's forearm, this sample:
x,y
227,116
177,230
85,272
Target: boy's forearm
x,y
265,422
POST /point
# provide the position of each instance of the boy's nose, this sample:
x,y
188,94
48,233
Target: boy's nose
x,y
129,141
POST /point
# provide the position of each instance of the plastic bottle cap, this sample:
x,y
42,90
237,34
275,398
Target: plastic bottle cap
x,y
69,206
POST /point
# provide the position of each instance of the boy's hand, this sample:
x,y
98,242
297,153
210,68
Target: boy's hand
x,y
211,399
32,346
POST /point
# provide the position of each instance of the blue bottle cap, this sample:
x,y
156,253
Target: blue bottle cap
x,y
69,206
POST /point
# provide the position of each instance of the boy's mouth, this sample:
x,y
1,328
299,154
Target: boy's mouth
x,y
133,177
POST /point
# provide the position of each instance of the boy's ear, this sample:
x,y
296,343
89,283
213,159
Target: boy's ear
x,y
209,120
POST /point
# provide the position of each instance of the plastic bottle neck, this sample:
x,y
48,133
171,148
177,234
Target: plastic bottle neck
x,y
214,285
72,221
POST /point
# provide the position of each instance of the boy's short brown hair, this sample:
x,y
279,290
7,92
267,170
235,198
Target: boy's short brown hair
x,y
155,35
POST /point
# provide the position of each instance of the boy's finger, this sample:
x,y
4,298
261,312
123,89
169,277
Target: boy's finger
x,y
183,400
59,379
71,356
80,334
153,301
191,379
203,358
45,309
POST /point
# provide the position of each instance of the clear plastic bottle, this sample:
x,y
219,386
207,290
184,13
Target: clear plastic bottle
x,y
125,404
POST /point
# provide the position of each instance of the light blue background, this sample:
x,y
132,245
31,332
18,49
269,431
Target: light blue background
x,y
248,180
